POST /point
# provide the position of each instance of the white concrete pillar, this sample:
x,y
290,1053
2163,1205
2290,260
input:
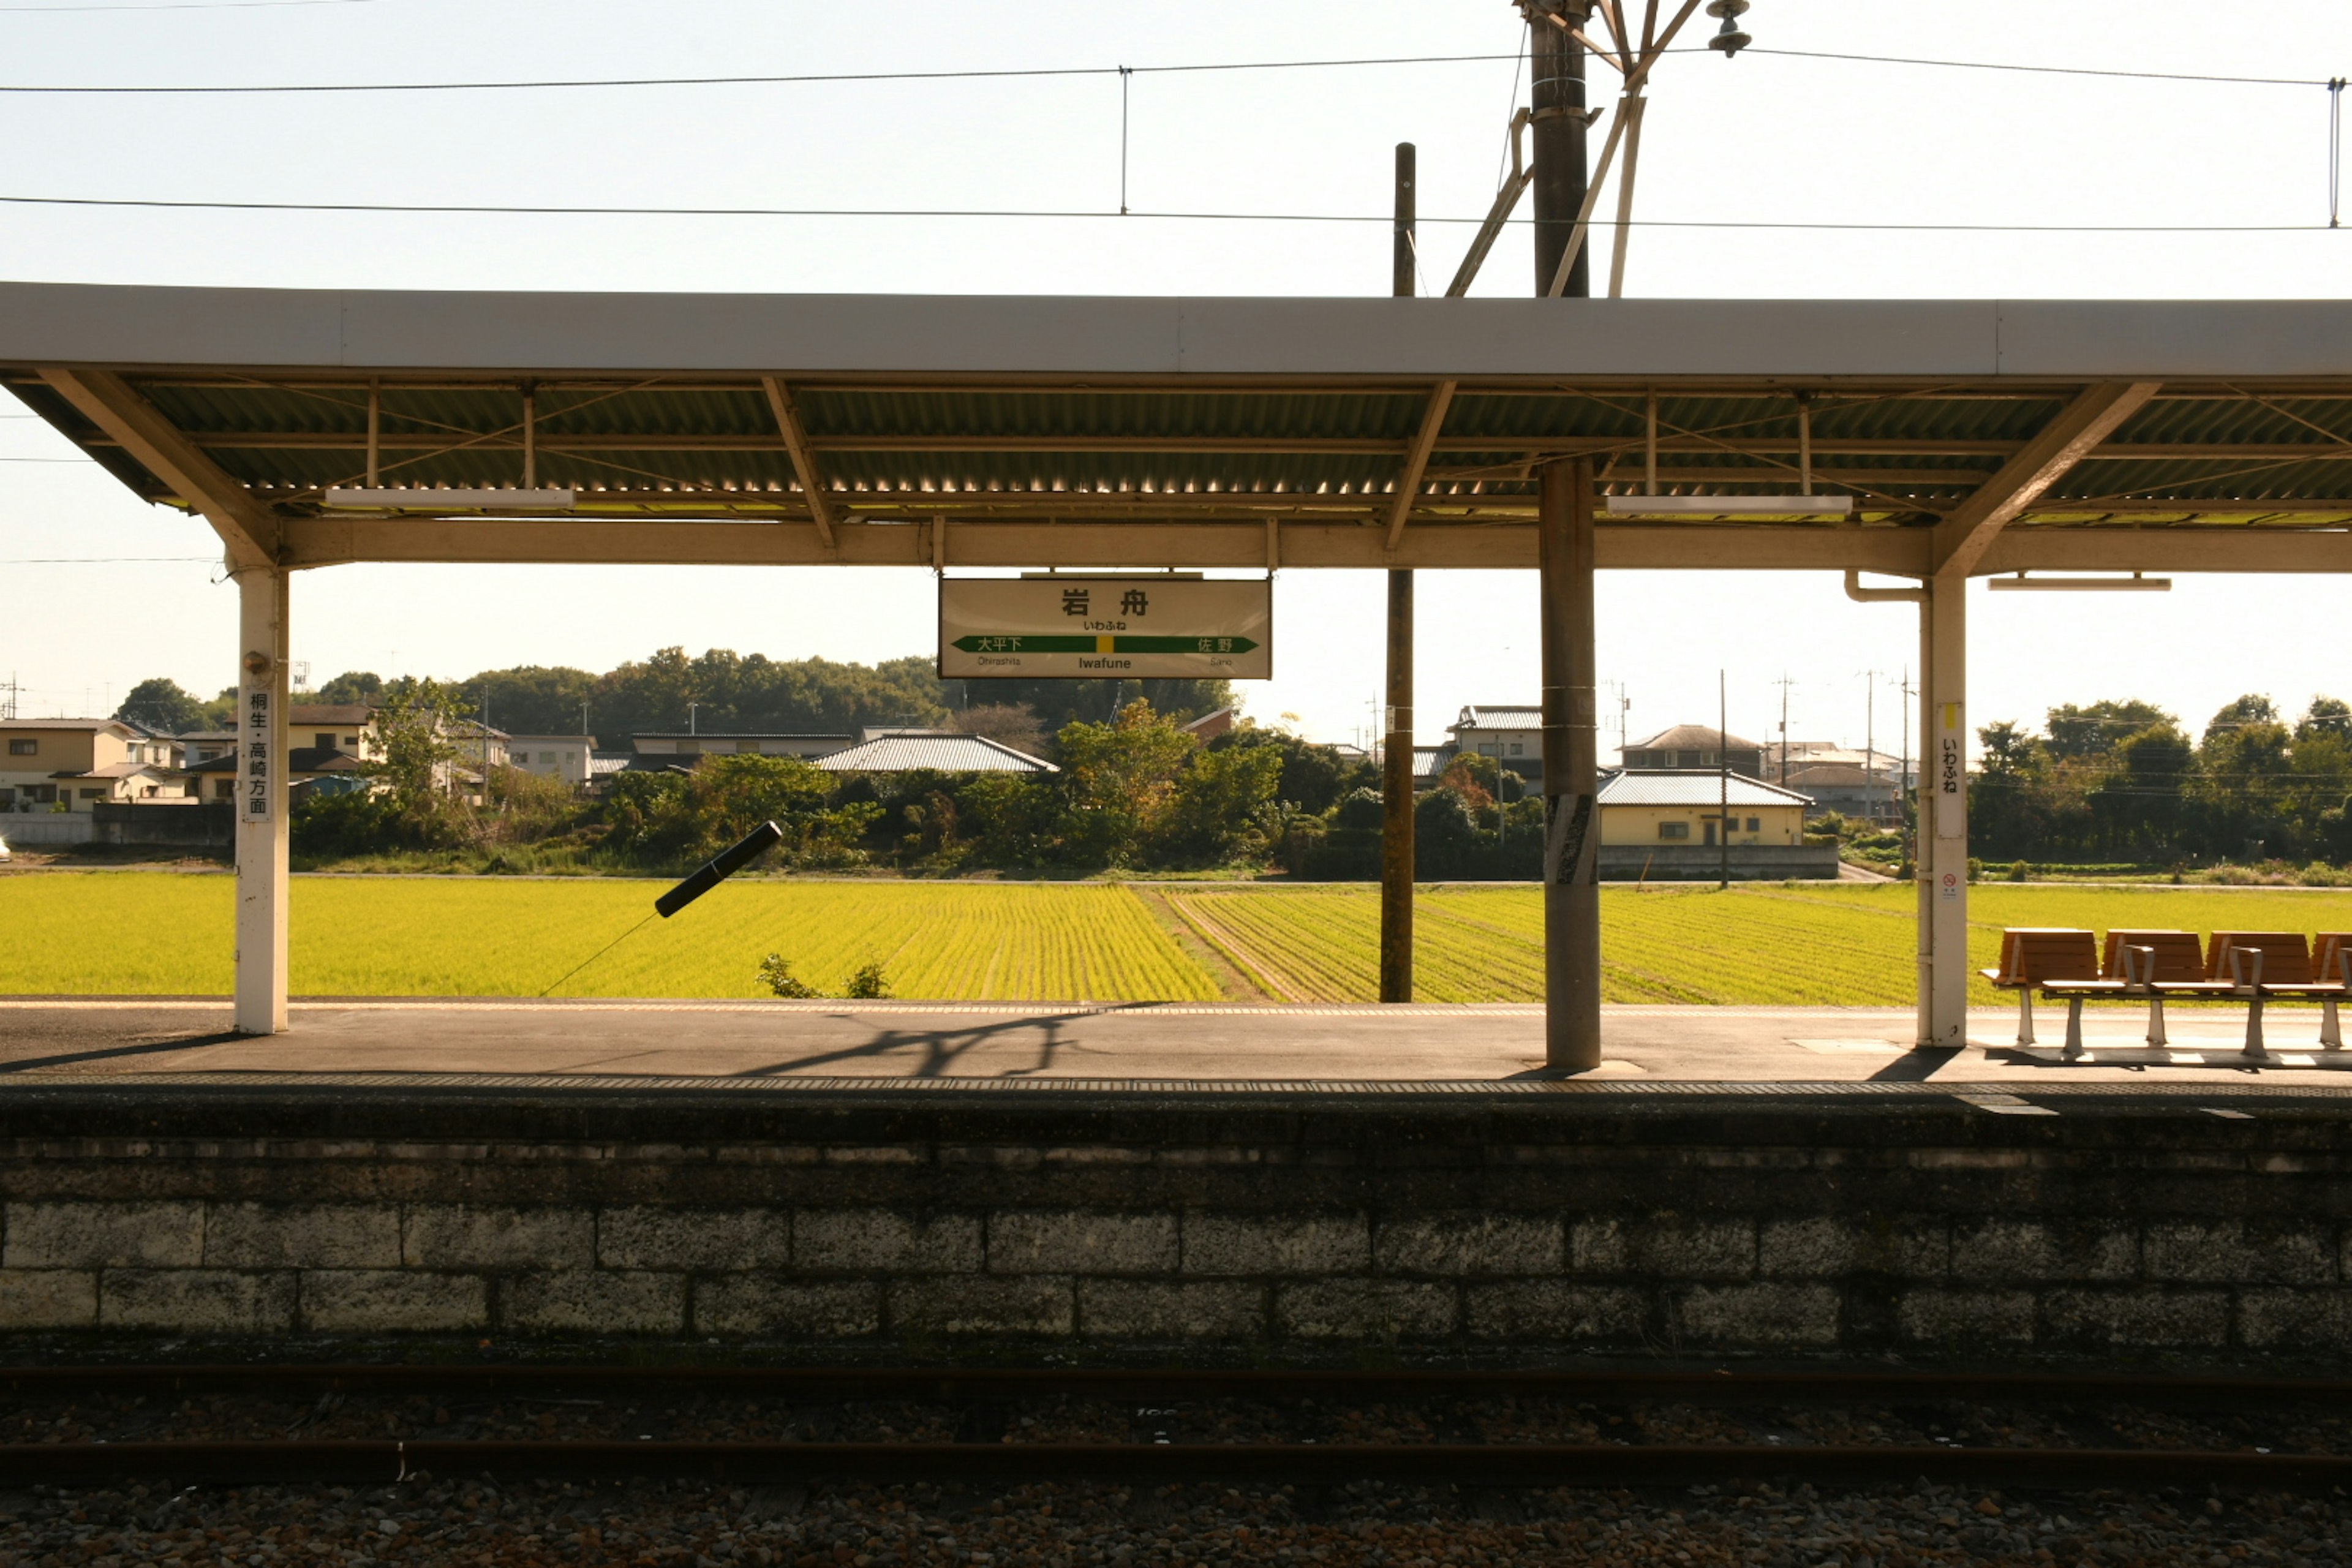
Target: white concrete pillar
x,y
1943,812
261,838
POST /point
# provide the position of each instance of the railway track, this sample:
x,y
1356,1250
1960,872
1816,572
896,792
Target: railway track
x,y
989,1448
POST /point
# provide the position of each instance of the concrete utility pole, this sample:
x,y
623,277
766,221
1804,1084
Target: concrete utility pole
x,y
1556,70
1571,714
1397,726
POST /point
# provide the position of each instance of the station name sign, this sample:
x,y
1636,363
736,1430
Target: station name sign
x,y
1107,628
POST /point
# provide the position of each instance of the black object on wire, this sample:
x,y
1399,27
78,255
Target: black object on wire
x,y
729,861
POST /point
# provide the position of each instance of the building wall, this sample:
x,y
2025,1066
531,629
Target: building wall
x,y
1638,825
562,757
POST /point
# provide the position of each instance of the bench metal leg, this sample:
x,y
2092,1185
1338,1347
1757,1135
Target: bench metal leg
x,y
2026,1016
2331,1025
2254,1025
2155,1035
2073,1029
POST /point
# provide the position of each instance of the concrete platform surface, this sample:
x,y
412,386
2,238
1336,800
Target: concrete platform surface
x,y
1096,1044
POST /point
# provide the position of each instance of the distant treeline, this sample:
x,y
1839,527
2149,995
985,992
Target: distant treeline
x,y
719,692
2123,781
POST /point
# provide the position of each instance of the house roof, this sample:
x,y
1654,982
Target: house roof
x,y
587,740
1692,786
1428,760
69,726
936,753
1504,717
207,735
329,713
739,735
1692,737
300,760
1843,775
116,770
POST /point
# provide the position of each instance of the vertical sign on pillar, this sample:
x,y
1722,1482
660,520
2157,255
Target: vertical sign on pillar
x,y
1951,798
257,728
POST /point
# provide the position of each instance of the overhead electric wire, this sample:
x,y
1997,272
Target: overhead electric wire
x,y
1012,72
495,208
183,5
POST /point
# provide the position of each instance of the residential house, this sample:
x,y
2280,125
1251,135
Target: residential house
x,y
1695,746
673,750
76,764
1678,824
1211,725
927,750
1429,764
1512,736
565,757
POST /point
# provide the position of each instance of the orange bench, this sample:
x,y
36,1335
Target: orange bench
x,y
2260,965
2332,958
2059,962
2157,964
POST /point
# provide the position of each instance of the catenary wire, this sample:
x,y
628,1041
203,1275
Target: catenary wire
x,y
812,77
1094,213
182,5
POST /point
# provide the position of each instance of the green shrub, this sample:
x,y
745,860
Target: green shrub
x,y
2019,871
867,983
778,976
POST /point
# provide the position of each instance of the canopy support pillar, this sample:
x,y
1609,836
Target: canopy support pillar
x,y
1942,801
1396,798
1572,882
261,836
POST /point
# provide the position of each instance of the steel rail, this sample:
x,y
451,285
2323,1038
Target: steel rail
x,y
385,1460
951,1386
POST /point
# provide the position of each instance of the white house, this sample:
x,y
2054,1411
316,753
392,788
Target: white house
x,y
564,757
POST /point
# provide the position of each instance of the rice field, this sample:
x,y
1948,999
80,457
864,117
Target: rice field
x,y
124,931
1828,944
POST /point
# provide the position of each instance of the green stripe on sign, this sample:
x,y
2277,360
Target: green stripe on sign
x,y
1011,643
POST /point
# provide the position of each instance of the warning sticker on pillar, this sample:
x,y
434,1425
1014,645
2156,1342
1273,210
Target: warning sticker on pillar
x,y
256,726
1951,777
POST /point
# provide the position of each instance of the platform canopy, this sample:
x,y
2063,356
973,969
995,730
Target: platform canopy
x,y
1979,437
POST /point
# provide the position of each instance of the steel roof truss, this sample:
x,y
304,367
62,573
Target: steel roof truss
x,y
1969,529
796,442
249,530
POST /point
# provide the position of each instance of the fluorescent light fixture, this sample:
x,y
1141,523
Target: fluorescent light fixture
x,y
2134,583
422,499
1721,506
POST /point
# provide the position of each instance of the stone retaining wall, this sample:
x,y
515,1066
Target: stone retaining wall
x,y
896,1224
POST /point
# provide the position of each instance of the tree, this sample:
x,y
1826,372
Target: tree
x,y
1120,778
159,704
2326,715
1013,724
536,700
2249,709
1313,777
2093,730
412,719
1218,799
351,688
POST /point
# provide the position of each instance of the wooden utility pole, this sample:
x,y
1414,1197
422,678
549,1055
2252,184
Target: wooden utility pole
x,y
1397,726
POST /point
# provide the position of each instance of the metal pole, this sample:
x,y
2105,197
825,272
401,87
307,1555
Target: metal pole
x,y
1397,722
1557,132
1570,744
1722,786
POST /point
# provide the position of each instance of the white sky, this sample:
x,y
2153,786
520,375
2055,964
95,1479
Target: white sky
x,y
1755,138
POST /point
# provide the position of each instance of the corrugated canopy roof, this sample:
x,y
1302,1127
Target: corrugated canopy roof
x,y
998,414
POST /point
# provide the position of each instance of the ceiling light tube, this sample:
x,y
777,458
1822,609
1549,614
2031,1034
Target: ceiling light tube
x,y
422,498
2134,583
1718,505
